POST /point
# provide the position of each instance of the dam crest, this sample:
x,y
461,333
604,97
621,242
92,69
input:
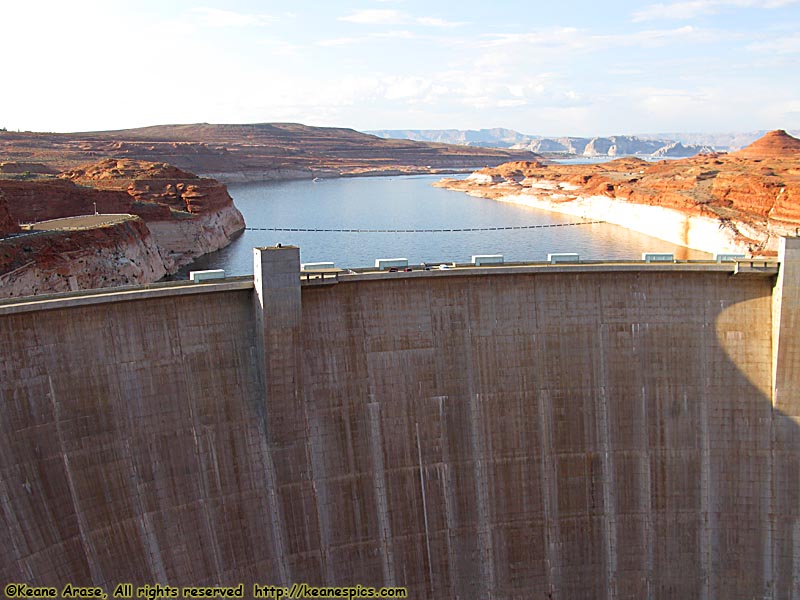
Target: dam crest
x,y
619,431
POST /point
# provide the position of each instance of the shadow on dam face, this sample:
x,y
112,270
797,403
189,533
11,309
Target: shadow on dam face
x,y
540,434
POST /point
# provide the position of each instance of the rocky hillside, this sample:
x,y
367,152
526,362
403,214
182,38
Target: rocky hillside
x,y
753,195
175,216
250,152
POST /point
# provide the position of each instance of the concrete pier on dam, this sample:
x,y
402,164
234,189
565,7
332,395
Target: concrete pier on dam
x,y
554,432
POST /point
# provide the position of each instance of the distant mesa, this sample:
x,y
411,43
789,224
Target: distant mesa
x,y
251,152
617,145
775,144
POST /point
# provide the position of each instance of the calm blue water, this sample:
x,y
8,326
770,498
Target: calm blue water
x,y
409,203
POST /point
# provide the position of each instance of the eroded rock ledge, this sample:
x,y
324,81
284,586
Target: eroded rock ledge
x,y
173,217
739,202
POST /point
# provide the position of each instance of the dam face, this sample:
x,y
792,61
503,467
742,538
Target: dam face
x,y
581,431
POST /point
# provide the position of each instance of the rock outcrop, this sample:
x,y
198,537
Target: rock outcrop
x,y
176,216
187,215
739,202
7,223
60,261
676,150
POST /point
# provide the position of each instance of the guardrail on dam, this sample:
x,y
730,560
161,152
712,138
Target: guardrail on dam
x,y
568,432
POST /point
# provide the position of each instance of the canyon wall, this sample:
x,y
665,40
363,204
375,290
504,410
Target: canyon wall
x,y
123,253
7,223
584,431
180,217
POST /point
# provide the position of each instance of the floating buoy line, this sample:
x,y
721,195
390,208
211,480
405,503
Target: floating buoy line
x,y
453,230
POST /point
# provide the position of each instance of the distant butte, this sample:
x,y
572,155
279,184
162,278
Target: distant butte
x,y
775,144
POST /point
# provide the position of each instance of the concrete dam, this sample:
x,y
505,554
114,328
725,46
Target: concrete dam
x,y
616,431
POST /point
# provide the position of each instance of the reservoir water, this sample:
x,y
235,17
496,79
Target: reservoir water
x,y
410,203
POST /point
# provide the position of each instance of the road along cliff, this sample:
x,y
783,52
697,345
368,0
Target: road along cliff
x,y
740,202
113,222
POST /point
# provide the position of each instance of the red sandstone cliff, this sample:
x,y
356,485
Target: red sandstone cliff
x,y
7,223
754,194
60,261
187,215
182,216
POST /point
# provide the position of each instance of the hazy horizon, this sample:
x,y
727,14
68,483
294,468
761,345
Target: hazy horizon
x,y
577,68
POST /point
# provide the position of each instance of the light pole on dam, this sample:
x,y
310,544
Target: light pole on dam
x,y
538,431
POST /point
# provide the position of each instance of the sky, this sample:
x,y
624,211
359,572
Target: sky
x,y
540,67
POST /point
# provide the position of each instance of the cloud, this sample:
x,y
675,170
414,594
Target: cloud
x,y
380,16
376,16
784,44
435,22
215,17
372,37
694,8
342,41
506,48
562,36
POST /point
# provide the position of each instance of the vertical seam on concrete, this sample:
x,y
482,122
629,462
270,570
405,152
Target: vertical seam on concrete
x,y
144,522
646,494
12,522
319,483
773,517
273,503
549,473
204,500
549,496
768,517
83,527
609,501
481,497
449,501
425,509
479,469
351,464
795,560
379,486
707,591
